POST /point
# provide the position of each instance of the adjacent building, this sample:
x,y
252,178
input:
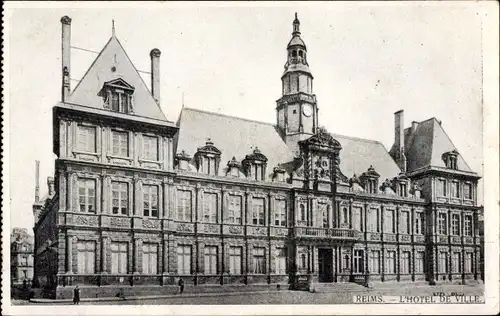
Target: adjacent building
x,y
214,199
21,256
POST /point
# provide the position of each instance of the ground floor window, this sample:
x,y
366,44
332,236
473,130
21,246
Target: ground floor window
x,y
86,257
259,261
184,260
419,262
149,258
235,260
119,256
359,261
443,262
404,263
468,262
390,262
210,260
455,262
374,262
280,267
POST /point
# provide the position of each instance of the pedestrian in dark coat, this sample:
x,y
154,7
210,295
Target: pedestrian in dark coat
x,y
76,295
181,286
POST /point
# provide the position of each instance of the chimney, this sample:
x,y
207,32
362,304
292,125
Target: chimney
x,y
65,57
50,184
399,139
414,126
155,74
37,181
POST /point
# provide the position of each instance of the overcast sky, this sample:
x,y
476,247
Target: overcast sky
x,y
368,61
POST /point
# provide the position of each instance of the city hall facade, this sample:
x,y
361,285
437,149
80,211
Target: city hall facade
x,y
139,200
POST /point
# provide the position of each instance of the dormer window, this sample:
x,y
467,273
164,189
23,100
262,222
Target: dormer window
x,y
400,185
117,96
255,165
369,180
450,159
207,159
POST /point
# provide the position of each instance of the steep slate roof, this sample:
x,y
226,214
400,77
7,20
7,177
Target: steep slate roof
x,y
113,55
237,137
358,154
232,136
425,146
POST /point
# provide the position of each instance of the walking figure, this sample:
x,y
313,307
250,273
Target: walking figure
x,y
181,286
76,295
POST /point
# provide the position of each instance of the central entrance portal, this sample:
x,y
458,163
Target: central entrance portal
x,y
325,262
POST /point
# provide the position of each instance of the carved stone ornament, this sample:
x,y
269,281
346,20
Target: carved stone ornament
x,y
354,180
182,156
322,139
386,184
233,163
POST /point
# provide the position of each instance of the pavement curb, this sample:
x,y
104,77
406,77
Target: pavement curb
x,y
132,298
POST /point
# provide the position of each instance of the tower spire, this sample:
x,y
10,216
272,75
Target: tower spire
x,y
113,27
296,26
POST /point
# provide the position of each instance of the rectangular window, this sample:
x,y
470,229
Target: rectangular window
x,y
359,261
403,190
150,147
120,197
280,267
404,267
467,191
86,257
86,139
184,206
150,200
259,260
389,221
119,256
124,102
210,207
357,219
210,265
374,262
234,216
455,189
419,262
468,262
235,260
404,222
419,223
373,220
322,219
280,213
184,260
86,195
468,225
115,104
441,187
455,224
120,144
390,262
455,262
443,262
258,211
149,258
442,224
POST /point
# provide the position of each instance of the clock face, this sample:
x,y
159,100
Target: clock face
x,y
307,110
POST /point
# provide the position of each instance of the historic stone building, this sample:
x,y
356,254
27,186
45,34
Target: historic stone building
x,y
21,256
215,199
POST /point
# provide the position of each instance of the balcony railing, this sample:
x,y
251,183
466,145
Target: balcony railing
x,y
337,233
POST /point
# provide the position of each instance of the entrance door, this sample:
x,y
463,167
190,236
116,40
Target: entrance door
x,y
325,258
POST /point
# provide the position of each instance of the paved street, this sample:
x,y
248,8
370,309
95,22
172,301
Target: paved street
x,y
290,297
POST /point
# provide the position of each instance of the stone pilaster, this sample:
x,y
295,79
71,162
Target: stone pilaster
x,y
69,254
104,250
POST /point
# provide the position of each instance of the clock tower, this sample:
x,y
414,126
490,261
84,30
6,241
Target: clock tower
x,y
297,111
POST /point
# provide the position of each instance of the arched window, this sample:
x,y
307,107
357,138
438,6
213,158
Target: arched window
x,y
300,53
294,53
302,212
346,215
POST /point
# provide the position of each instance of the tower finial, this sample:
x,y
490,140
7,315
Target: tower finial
x,y
296,24
113,27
